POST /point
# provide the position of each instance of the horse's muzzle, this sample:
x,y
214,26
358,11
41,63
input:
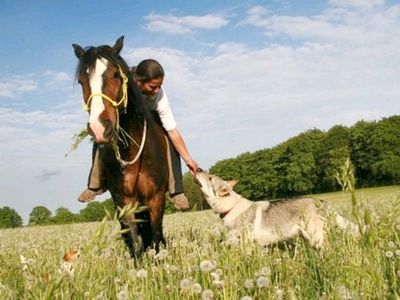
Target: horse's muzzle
x,y
107,135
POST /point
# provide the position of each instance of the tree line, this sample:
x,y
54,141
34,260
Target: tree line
x,y
304,164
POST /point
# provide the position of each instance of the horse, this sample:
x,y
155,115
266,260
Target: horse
x,y
132,145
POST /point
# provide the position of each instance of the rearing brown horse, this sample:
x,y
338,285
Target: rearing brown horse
x,y
132,145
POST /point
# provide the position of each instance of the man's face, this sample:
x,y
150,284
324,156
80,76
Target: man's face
x,y
152,87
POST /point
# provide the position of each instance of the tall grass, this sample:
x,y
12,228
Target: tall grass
x,y
200,261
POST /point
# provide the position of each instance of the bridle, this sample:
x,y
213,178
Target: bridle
x,y
116,104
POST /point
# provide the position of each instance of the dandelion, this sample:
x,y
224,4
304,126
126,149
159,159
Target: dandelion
x,y
122,295
218,283
206,266
398,227
197,288
397,252
162,254
248,284
142,273
207,294
279,294
344,293
185,284
391,244
246,298
389,254
152,252
262,281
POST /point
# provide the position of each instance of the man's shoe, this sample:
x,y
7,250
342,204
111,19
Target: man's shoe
x,y
89,194
180,201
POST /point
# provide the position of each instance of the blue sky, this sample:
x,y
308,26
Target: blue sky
x,y
241,76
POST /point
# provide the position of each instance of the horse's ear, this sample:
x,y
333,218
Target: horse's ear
x,y
79,52
118,45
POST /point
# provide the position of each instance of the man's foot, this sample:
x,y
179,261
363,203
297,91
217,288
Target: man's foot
x,y
89,194
180,201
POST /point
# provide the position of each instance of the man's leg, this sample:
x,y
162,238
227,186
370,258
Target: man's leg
x,y
94,185
176,195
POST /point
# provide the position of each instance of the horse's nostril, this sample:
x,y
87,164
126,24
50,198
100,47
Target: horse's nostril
x,y
108,131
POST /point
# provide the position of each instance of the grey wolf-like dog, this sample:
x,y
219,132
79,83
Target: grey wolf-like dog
x,y
266,222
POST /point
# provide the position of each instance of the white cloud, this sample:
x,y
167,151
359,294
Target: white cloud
x,y
183,25
16,85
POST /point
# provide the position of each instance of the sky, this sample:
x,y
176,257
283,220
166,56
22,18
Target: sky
x,y
241,75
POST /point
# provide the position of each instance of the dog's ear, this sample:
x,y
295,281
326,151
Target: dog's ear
x,y
233,183
224,191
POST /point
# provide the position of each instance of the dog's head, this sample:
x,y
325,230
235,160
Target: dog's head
x,y
218,192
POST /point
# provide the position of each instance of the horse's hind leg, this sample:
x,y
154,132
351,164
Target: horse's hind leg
x,y
156,210
131,237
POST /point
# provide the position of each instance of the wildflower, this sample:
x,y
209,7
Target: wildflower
x,y
246,298
206,266
123,295
197,288
398,227
218,283
152,252
344,293
262,281
248,284
265,271
397,252
162,254
185,284
389,254
207,294
279,294
142,273
391,244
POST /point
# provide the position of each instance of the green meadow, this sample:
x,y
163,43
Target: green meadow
x,y
200,261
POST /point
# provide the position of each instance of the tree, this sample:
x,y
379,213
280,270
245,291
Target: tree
x,y
40,215
9,218
93,212
64,216
193,193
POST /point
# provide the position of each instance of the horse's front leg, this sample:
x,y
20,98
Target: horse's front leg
x,y
130,235
156,211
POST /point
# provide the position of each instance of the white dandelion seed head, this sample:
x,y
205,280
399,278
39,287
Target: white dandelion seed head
x,y
152,252
142,273
162,254
197,288
185,284
391,244
218,283
123,295
398,227
344,293
207,294
265,271
279,294
206,266
248,284
398,273
389,254
246,298
397,252
262,281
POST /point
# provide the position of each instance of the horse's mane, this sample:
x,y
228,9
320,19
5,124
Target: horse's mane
x,y
88,63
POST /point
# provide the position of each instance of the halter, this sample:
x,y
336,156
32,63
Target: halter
x,y
124,101
124,98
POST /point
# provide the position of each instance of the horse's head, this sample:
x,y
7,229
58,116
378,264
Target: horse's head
x,y
102,73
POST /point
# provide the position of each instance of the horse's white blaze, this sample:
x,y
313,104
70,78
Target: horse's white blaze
x,y
96,104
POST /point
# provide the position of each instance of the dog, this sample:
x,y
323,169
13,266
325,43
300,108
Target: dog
x,y
265,222
68,259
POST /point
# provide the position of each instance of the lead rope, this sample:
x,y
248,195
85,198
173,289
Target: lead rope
x,y
125,163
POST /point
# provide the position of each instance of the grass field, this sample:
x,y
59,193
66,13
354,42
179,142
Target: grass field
x,y
201,262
